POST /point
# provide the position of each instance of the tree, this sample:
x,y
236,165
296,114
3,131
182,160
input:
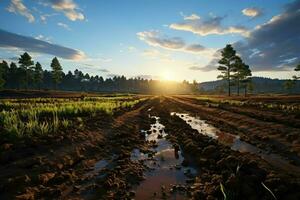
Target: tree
x,y
3,69
289,85
25,62
194,87
242,75
57,72
13,78
238,66
250,86
297,69
227,65
38,75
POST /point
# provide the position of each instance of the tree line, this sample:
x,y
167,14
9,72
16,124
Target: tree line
x,y
26,74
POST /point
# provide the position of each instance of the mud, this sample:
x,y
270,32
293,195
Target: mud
x,y
200,152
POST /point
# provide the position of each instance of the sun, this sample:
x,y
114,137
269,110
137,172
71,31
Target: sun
x,y
167,76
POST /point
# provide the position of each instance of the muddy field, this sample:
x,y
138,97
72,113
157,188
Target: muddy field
x,y
164,147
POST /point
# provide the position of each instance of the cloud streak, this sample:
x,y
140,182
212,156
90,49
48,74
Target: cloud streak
x,y
69,8
213,25
275,44
252,12
12,40
154,38
17,7
65,26
272,46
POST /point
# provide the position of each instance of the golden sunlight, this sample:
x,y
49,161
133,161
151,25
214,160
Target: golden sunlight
x,y
167,76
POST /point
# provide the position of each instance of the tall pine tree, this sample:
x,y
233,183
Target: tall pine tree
x,y
26,62
242,74
297,69
227,65
57,73
38,75
3,67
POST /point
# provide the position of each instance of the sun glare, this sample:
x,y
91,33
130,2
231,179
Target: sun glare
x,y
167,76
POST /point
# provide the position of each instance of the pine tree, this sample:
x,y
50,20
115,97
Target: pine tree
x,y
242,74
57,72
297,69
227,65
289,85
13,75
3,67
38,75
246,78
25,62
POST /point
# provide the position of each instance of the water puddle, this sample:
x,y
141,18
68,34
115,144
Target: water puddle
x,y
101,167
235,142
165,171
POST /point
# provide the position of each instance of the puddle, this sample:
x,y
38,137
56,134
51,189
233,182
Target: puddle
x,y
235,142
165,167
100,165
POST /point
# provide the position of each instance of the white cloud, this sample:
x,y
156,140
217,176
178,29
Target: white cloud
x,y
252,12
42,37
271,46
69,8
17,6
132,49
207,27
44,17
156,54
65,26
155,39
191,17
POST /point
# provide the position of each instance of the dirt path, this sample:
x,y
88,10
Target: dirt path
x,y
54,166
147,153
270,136
242,174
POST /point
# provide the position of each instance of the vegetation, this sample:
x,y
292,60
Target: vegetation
x,y
297,69
234,69
289,84
39,116
242,75
216,102
56,72
38,75
226,65
26,64
30,76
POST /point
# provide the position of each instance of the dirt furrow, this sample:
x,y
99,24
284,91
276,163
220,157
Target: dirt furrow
x,y
56,166
241,175
265,135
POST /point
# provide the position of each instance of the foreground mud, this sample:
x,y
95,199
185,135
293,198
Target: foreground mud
x,y
162,148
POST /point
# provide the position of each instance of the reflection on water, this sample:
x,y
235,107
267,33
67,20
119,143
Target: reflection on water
x,y
166,170
235,142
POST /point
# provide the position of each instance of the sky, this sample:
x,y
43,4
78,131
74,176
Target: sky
x,y
158,39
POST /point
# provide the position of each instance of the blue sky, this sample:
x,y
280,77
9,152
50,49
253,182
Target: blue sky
x,y
167,39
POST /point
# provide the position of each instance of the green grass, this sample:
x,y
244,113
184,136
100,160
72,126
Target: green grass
x,y
40,116
258,104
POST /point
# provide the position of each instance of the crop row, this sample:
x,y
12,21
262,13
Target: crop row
x,y
36,118
262,105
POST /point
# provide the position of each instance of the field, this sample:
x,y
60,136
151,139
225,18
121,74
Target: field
x,y
149,147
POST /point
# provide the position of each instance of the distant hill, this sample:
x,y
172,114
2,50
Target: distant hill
x,y
261,85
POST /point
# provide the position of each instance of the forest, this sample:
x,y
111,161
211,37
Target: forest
x,y
30,75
